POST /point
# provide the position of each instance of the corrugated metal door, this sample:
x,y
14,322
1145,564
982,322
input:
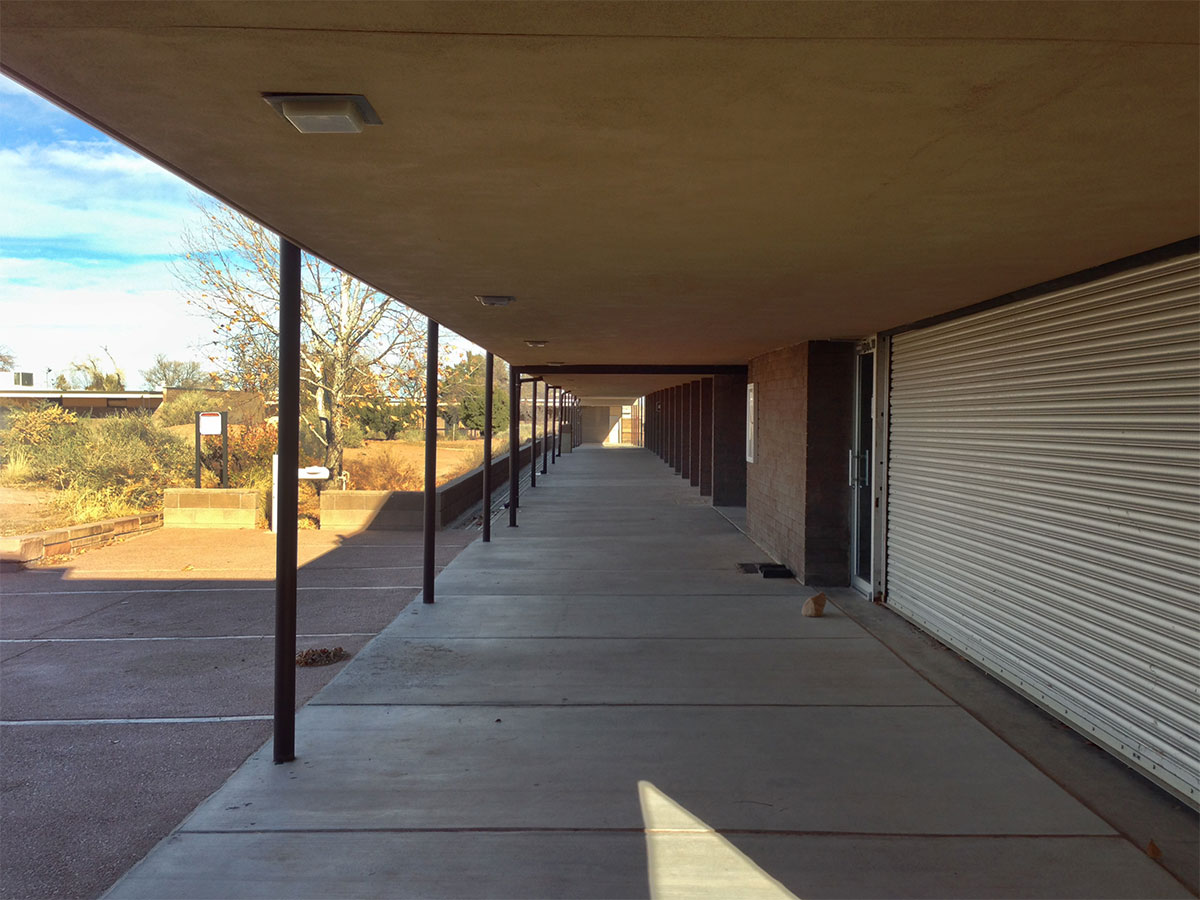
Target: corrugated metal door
x,y
1043,504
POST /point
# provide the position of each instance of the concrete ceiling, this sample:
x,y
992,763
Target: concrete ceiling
x,y
662,183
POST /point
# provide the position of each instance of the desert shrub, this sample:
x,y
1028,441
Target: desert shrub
x,y
131,454
383,472
34,427
182,408
250,450
123,461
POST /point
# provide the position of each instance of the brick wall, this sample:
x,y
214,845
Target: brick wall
x,y
797,498
775,481
729,440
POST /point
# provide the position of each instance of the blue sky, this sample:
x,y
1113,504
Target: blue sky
x,y
88,231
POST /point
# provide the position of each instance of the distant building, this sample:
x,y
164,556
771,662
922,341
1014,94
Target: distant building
x,y
20,381
84,403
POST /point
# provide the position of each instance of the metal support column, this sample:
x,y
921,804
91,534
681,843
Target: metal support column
x,y
694,433
533,440
514,441
669,425
489,367
548,448
678,426
284,744
431,393
557,425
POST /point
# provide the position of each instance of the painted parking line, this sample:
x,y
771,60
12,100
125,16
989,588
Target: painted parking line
x,y
177,720
184,637
308,567
224,590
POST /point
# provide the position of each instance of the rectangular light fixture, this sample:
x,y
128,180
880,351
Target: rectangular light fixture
x,y
325,113
495,299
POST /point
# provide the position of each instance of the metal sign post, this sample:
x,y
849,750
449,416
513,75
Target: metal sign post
x,y
213,423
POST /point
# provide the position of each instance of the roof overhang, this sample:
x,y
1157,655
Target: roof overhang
x,y
678,182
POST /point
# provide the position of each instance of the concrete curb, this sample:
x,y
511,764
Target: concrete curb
x,y
20,550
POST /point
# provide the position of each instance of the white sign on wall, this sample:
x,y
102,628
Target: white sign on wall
x,y
751,423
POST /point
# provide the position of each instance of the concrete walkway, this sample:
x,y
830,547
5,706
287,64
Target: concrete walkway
x,y
601,705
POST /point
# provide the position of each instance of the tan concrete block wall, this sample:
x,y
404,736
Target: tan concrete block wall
x,y
214,508
386,510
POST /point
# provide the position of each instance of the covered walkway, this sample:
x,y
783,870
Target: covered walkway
x,y
601,705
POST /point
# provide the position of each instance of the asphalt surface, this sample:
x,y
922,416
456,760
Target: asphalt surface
x,y
135,678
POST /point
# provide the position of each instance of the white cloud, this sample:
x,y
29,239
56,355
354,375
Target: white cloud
x,y
55,313
90,157
91,197
12,88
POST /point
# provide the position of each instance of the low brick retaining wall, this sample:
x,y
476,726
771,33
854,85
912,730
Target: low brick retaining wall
x,y
27,548
210,508
405,510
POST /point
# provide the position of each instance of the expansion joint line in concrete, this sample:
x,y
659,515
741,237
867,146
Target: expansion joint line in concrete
x,y
764,832
427,639
516,704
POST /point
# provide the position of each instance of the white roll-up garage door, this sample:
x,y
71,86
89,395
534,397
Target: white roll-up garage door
x,y
1043,504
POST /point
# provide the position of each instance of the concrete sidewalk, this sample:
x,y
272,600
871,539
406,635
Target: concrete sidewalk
x,y
601,705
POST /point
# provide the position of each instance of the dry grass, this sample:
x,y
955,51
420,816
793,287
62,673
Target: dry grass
x,y
18,469
384,472
400,465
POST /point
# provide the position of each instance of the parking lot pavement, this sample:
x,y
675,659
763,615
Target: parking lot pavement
x,y
137,677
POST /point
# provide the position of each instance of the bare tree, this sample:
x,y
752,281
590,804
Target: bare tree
x,y
175,373
90,375
355,341
8,361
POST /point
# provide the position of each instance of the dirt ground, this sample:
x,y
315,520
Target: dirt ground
x,y
25,511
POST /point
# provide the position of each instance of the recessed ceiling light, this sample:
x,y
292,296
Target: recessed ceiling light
x,y
557,363
325,113
495,299
536,344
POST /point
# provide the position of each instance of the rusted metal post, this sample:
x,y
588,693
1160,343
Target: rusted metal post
x,y
548,448
489,372
533,444
557,448
431,394
514,441
288,437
